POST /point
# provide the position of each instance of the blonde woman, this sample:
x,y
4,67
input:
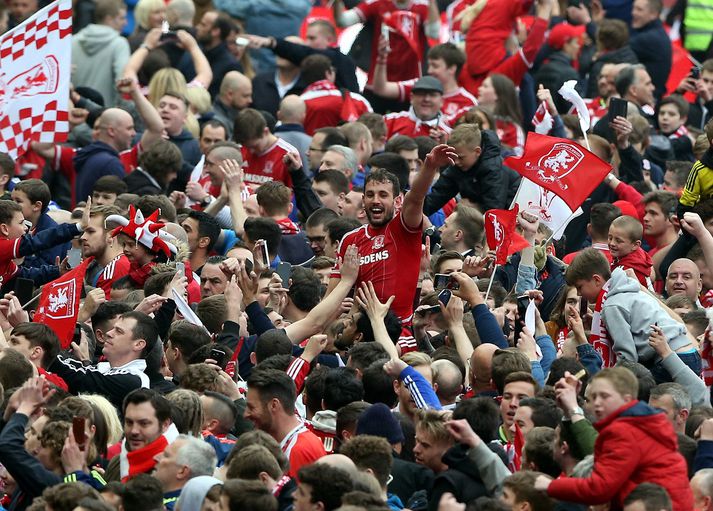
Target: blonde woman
x,y
148,14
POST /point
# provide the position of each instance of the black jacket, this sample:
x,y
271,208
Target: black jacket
x,y
699,113
221,62
624,55
553,73
265,95
653,48
462,478
140,183
343,64
409,477
488,183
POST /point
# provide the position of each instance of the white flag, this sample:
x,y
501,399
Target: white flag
x,y
196,174
35,59
549,208
185,310
568,92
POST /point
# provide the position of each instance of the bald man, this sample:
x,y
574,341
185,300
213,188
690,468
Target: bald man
x,y
684,278
291,115
272,86
236,93
480,371
447,382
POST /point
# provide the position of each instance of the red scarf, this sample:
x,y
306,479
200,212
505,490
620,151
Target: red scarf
x,y
321,85
599,338
682,131
141,461
140,274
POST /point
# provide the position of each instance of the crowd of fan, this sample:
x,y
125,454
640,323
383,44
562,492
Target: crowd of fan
x,y
291,304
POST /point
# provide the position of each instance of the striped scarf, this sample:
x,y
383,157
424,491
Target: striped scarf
x,y
599,338
682,131
142,461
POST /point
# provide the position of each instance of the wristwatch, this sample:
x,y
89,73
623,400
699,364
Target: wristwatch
x,y
207,200
577,411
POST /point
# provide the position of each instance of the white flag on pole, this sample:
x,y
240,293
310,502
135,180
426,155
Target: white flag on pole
x,y
548,207
35,64
568,92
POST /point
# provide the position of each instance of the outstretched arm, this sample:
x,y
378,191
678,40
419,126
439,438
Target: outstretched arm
x,y
412,210
152,120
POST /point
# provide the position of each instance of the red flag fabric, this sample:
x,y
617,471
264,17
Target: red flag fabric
x,y
59,303
564,167
518,444
405,24
500,233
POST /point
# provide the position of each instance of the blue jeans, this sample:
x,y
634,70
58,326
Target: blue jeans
x,y
692,360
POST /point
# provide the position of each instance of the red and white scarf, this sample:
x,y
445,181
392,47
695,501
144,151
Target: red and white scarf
x,y
321,85
542,120
599,338
682,131
141,461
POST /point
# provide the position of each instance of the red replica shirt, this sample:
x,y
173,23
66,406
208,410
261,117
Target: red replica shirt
x,y
511,135
117,268
267,166
64,163
302,447
324,107
406,123
455,104
398,67
452,12
389,258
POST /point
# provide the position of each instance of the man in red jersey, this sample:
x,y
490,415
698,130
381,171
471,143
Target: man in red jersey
x,y
390,244
424,118
109,262
263,152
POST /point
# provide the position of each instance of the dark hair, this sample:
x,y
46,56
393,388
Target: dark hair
x,y
539,449
159,403
338,227
626,77
328,484
8,208
400,143
561,365
187,337
508,105
15,369
145,329
39,334
213,312
314,389
363,354
110,184
391,321
601,216
643,376
161,160
383,176
450,53
506,361
147,204
314,68
391,163
207,227
612,35
225,25
265,229
306,289
273,384
108,311
142,493
273,197
348,415
252,495
107,8
371,452
337,181
249,125
341,387
321,216
213,123
482,414
332,136
544,411
66,496
378,386
676,100
157,283
7,164
586,264
272,342
653,496
36,191
522,485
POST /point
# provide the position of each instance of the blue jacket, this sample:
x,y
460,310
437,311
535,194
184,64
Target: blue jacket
x,y
92,162
48,256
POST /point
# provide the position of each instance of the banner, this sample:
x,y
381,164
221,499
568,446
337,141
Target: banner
x,y
548,207
35,69
500,233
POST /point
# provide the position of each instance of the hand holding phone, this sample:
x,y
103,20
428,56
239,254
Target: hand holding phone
x,y
617,108
79,430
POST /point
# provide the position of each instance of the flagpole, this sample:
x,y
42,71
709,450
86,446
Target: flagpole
x,y
569,219
586,141
490,284
34,299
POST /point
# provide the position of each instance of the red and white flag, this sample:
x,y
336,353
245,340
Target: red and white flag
x,y
560,166
501,235
542,120
59,303
405,24
35,64
548,207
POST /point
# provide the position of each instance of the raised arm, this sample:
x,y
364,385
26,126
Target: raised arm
x,y
344,17
376,311
147,112
381,85
204,73
412,210
151,41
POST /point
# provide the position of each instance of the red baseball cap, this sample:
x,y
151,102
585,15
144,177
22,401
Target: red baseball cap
x,y
563,32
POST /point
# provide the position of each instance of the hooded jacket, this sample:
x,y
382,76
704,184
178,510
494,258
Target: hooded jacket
x,y
629,330
487,183
636,444
640,262
99,54
92,162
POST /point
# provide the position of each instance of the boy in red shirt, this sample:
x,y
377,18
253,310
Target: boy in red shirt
x,y
624,241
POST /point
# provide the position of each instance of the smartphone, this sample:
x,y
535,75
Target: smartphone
x,y
583,307
263,253
74,257
242,41
617,108
24,289
522,303
695,72
441,280
181,268
385,32
284,270
79,430
218,355
248,266
444,296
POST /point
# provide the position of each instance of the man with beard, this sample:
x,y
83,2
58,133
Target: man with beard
x,y
390,244
109,263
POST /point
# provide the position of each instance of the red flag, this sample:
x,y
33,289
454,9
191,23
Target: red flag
x,y
500,233
564,167
518,442
59,303
405,24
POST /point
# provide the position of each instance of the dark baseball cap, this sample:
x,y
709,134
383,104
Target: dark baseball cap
x,y
427,84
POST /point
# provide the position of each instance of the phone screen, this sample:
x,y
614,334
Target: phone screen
x,y
80,434
522,303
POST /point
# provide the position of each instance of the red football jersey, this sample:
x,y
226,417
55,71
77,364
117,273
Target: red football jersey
x,y
406,123
117,268
324,108
302,447
398,68
452,12
389,258
267,166
511,134
455,103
